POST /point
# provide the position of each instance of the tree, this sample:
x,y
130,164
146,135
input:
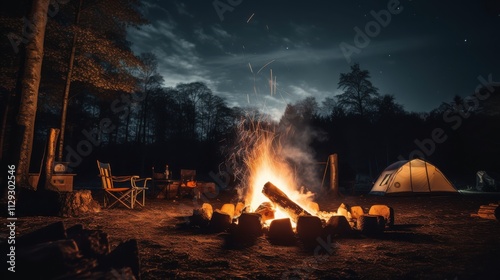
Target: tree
x,y
387,107
358,91
29,91
150,81
104,58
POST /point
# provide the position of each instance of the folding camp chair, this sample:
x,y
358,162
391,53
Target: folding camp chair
x,y
126,195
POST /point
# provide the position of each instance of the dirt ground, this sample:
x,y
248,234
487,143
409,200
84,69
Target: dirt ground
x,y
434,237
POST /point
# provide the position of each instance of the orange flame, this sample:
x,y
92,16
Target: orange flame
x,y
264,160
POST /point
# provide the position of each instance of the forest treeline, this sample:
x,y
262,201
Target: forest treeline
x,y
111,104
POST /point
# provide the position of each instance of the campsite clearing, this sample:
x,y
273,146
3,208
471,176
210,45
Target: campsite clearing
x,y
433,237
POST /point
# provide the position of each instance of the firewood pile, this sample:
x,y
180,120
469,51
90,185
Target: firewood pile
x,y
56,252
490,212
346,221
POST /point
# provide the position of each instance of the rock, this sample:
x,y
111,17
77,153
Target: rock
x,y
309,228
249,224
356,211
201,217
229,209
281,232
220,221
344,210
369,224
338,226
384,211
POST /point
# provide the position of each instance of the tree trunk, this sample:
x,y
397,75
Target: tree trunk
x,y
51,154
334,178
29,91
68,84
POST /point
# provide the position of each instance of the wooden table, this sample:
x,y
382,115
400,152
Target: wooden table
x,y
163,186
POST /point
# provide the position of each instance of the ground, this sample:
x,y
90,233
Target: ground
x,y
434,237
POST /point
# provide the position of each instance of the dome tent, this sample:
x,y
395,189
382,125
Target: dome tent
x,y
414,176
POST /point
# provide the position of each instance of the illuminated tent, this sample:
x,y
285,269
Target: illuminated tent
x,y
414,176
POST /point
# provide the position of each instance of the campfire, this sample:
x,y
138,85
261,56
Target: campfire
x,y
271,197
268,180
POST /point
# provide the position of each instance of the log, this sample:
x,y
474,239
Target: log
x,y
490,211
279,198
91,243
266,210
54,252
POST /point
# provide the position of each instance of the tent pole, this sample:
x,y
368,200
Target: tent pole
x,y
411,177
427,175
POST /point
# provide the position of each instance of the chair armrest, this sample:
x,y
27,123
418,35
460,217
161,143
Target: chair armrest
x,y
119,179
136,179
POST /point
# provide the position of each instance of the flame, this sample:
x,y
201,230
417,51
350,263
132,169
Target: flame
x,y
264,161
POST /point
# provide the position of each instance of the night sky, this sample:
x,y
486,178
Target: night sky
x,y
424,54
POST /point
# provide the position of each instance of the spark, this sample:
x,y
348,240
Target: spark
x,y
250,17
271,82
250,66
265,65
274,85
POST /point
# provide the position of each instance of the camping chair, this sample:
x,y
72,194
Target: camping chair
x,y
188,182
127,195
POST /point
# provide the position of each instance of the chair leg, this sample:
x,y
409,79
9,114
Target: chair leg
x,y
140,201
125,198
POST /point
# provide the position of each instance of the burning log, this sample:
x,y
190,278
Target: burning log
x,y
266,210
279,198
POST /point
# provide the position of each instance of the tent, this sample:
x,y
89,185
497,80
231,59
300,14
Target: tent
x,y
414,176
